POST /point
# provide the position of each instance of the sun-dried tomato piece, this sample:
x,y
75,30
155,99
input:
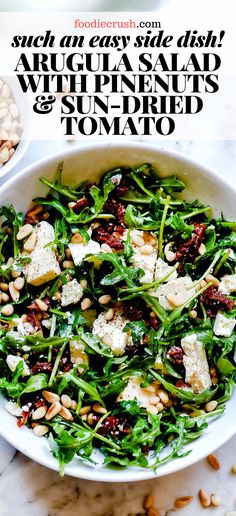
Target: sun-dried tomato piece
x,y
35,215
176,355
116,208
187,251
65,365
181,384
32,319
153,322
123,187
116,426
80,205
133,313
41,367
102,236
215,300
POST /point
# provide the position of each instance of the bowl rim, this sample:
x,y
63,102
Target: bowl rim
x,y
135,474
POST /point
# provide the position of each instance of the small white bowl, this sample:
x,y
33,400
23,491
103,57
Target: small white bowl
x,y
22,103
89,161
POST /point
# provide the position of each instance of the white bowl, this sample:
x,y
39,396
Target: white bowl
x,y
90,161
22,103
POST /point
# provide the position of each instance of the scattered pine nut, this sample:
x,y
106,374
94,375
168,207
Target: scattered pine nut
x,y
84,410
213,461
7,310
85,304
90,418
24,231
210,406
5,297
99,409
50,396
53,410
193,314
83,283
4,286
39,413
14,293
103,300
148,502
67,264
146,249
66,414
77,239
19,283
73,405
66,401
183,501
204,498
137,240
41,305
15,274
215,500
109,314
40,430
30,243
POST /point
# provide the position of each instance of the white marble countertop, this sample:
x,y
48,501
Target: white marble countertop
x,y
27,489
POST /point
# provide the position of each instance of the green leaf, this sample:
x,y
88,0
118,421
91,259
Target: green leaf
x,y
110,182
171,184
35,383
86,387
225,367
185,394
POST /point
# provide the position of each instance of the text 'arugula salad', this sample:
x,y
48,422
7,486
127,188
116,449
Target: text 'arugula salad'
x,y
117,305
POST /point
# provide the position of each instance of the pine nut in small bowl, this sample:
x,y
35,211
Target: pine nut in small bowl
x,y
109,314
15,124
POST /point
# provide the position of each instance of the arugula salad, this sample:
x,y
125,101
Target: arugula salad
x,y
117,316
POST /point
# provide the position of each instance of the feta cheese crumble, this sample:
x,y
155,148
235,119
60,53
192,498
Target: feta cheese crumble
x,y
195,363
134,391
228,284
111,332
13,361
174,293
223,326
79,251
44,266
72,292
162,269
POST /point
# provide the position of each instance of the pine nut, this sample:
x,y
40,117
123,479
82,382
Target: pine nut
x,y
15,274
193,314
103,300
233,469
24,231
137,240
7,310
4,287
19,283
149,239
90,419
68,253
215,500
159,407
53,410
213,461
66,414
150,388
40,430
210,406
148,502
30,243
77,239
5,297
57,296
83,283
39,413
154,400
99,409
85,410
13,408
67,264
212,279
73,405
14,293
85,304
50,396
84,417
203,284
163,396
183,501
106,339
41,305
204,498
146,249
66,401
108,316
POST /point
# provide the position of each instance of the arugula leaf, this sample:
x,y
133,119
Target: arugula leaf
x,y
35,383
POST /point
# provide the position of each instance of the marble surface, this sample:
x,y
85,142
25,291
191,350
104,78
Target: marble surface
x,y
27,489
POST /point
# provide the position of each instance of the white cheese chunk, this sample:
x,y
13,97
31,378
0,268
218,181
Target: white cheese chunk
x,y
223,326
111,332
174,293
228,284
143,261
71,293
195,363
44,266
134,391
162,269
13,361
79,251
